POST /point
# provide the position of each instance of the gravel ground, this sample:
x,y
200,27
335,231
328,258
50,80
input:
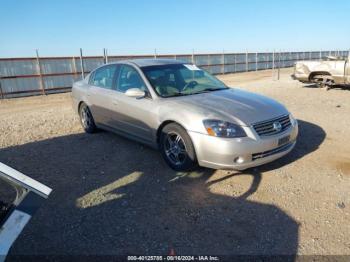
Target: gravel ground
x,y
115,196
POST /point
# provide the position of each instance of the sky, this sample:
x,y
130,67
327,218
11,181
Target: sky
x,y
61,27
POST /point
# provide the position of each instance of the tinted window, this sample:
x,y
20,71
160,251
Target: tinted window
x,y
178,79
129,78
104,76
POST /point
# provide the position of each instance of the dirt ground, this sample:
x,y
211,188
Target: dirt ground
x,y
115,196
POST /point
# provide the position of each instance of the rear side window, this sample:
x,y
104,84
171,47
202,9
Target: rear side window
x,y
104,76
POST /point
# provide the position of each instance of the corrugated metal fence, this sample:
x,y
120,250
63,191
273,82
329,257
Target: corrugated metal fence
x,y
45,75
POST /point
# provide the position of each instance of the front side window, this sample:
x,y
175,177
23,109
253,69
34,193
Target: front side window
x,y
129,78
181,79
104,76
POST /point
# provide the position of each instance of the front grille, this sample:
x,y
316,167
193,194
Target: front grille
x,y
272,151
266,128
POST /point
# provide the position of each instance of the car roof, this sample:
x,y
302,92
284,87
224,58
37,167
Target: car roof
x,y
152,62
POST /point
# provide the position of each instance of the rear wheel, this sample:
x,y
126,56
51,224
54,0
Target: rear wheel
x,y
324,81
86,119
177,148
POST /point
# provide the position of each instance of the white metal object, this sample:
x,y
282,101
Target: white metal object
x,y
11,229
19,212
24,181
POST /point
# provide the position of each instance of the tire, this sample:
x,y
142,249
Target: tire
x,y
177,148
324,81
86,119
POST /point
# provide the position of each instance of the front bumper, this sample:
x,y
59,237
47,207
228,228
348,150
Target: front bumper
x,y
300,76
241,153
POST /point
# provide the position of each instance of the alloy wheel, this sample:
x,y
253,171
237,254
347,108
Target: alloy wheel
x,y
86,118
175,148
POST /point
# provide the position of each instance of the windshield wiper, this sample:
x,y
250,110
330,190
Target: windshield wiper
x,y
210,90
199,92
180,94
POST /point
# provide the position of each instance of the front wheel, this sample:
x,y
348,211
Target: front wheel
x,y
86,119
177,148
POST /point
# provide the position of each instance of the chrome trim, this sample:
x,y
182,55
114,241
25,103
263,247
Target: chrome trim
x,y
272,151
265,128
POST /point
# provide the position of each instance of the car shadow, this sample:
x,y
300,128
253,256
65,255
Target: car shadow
x,y
334,87
311,86
112,196
340,87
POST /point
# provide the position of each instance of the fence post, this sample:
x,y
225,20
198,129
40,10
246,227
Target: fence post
x,y
223,62
320,55
1,93
42,86
74,69
82,64
192,56
246,61
74,65
279,65
273,64
290,59
256,61
105,54
155,53
234,63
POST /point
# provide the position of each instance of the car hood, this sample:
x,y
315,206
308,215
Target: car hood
x,y
242,107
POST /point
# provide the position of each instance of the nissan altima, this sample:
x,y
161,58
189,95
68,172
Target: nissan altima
x,y
189,115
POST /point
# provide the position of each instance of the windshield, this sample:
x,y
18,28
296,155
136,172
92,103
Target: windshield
x,y
181,79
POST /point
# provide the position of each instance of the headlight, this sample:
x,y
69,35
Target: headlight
x,y
292,120
223,129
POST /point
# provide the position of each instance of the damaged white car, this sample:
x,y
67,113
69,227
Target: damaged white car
x,y
334,71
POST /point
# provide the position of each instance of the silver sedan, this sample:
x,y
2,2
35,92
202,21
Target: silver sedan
x,y
186,113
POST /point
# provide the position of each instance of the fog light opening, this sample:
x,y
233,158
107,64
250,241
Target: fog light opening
x,y
238,160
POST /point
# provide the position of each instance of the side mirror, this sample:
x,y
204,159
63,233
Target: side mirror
x,y
135,92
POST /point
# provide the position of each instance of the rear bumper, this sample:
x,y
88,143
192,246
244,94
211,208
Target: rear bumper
x,y
241,153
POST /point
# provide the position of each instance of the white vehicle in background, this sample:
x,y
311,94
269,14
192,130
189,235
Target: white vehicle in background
x,y
15,215
332,72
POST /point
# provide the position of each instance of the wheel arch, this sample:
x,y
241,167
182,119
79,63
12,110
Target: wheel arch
x,y
79,105
162,125
312,74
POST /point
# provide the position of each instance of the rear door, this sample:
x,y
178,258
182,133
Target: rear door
x,y
133,116
101,88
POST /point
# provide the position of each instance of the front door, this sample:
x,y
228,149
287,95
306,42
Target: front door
x,y
132,115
